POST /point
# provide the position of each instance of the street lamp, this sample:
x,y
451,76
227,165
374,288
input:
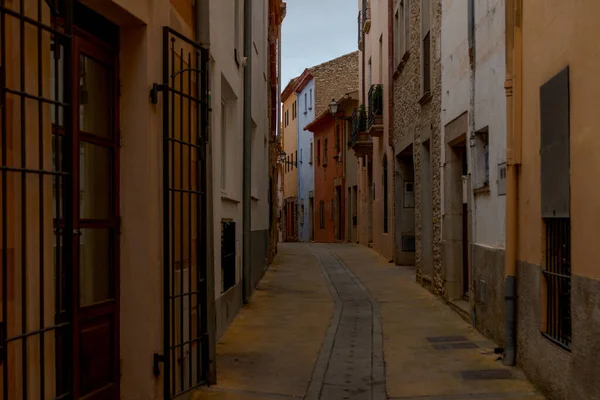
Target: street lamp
x,y
282,160
333,109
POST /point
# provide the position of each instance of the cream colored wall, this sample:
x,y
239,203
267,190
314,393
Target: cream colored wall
x,y
382,242
260,149
141,200
290,146
557,34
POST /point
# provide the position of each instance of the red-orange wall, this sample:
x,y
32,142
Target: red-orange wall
x,y
325,177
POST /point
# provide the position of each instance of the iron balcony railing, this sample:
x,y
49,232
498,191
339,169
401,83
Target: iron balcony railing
x,y
361,34
366,19
358,125
375,103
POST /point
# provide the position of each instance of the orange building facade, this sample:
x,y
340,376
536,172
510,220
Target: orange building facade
x,y
329,215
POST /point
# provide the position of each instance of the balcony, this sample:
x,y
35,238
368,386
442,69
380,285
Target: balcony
x,y
361,34
375,123
359,140
367,21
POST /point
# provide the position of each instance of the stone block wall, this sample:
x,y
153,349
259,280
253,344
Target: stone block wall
x,y
413,115
333,79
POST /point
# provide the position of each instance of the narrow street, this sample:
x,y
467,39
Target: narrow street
x,y
339,322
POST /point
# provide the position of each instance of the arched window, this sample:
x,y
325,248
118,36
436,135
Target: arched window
x,y
385,194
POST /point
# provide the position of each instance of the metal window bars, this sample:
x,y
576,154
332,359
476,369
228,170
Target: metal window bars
x,y
375,104
185,135
359,125
558,281
36,190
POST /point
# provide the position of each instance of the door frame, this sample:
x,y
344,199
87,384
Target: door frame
x,y
95,48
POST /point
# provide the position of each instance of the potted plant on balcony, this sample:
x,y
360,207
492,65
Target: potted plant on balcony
x,y
362,120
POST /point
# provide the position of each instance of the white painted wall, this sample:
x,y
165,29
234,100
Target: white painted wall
x,y
490,103
223,69
490,110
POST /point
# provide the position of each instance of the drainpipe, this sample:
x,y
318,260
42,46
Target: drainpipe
x,y
202,34
247,185
513,159
471,198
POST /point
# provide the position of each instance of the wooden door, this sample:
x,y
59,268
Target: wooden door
x,y
96,218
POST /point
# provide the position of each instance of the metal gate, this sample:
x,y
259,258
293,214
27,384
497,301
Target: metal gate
x,y
185,134
36,165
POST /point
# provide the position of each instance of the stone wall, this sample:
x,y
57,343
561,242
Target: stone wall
x,y
333,79
413,115
488,291
558,373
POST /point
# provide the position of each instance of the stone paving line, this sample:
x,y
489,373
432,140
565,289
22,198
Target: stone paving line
x,y
324,317
350,364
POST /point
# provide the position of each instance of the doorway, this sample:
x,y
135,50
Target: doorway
x,y
311,222
96,216
340,214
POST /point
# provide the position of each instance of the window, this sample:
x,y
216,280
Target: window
x,y
555,199
426,65
318,152
337,139
426,46
311,100
482,163
305,103
223,144
236,32
228,255
300,159
332,209
381,58
325,152
370,71
322,214
385,194
310,160
294,111
401,30
302,211
296,163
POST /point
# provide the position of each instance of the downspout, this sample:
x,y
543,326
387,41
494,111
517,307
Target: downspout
x,y
202,33
513,159
247,154
360,26
390,91
470,197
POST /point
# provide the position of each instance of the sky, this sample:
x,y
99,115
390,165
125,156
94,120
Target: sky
x,y
315,31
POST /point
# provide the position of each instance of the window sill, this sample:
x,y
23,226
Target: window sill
x,y
401,65
225,197
425,99
485,189
236,57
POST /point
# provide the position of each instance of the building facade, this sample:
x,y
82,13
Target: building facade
x,y
114,197
331,137
277,11
416,77
290,147
305,92
346,106
474,159
552,214
376,194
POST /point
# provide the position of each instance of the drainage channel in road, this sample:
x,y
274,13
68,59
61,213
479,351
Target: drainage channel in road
x,y
350,364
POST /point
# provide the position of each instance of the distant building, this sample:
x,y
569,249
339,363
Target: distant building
x,y
290,163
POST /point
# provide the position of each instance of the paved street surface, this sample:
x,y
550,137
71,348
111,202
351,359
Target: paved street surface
x,y
338,322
